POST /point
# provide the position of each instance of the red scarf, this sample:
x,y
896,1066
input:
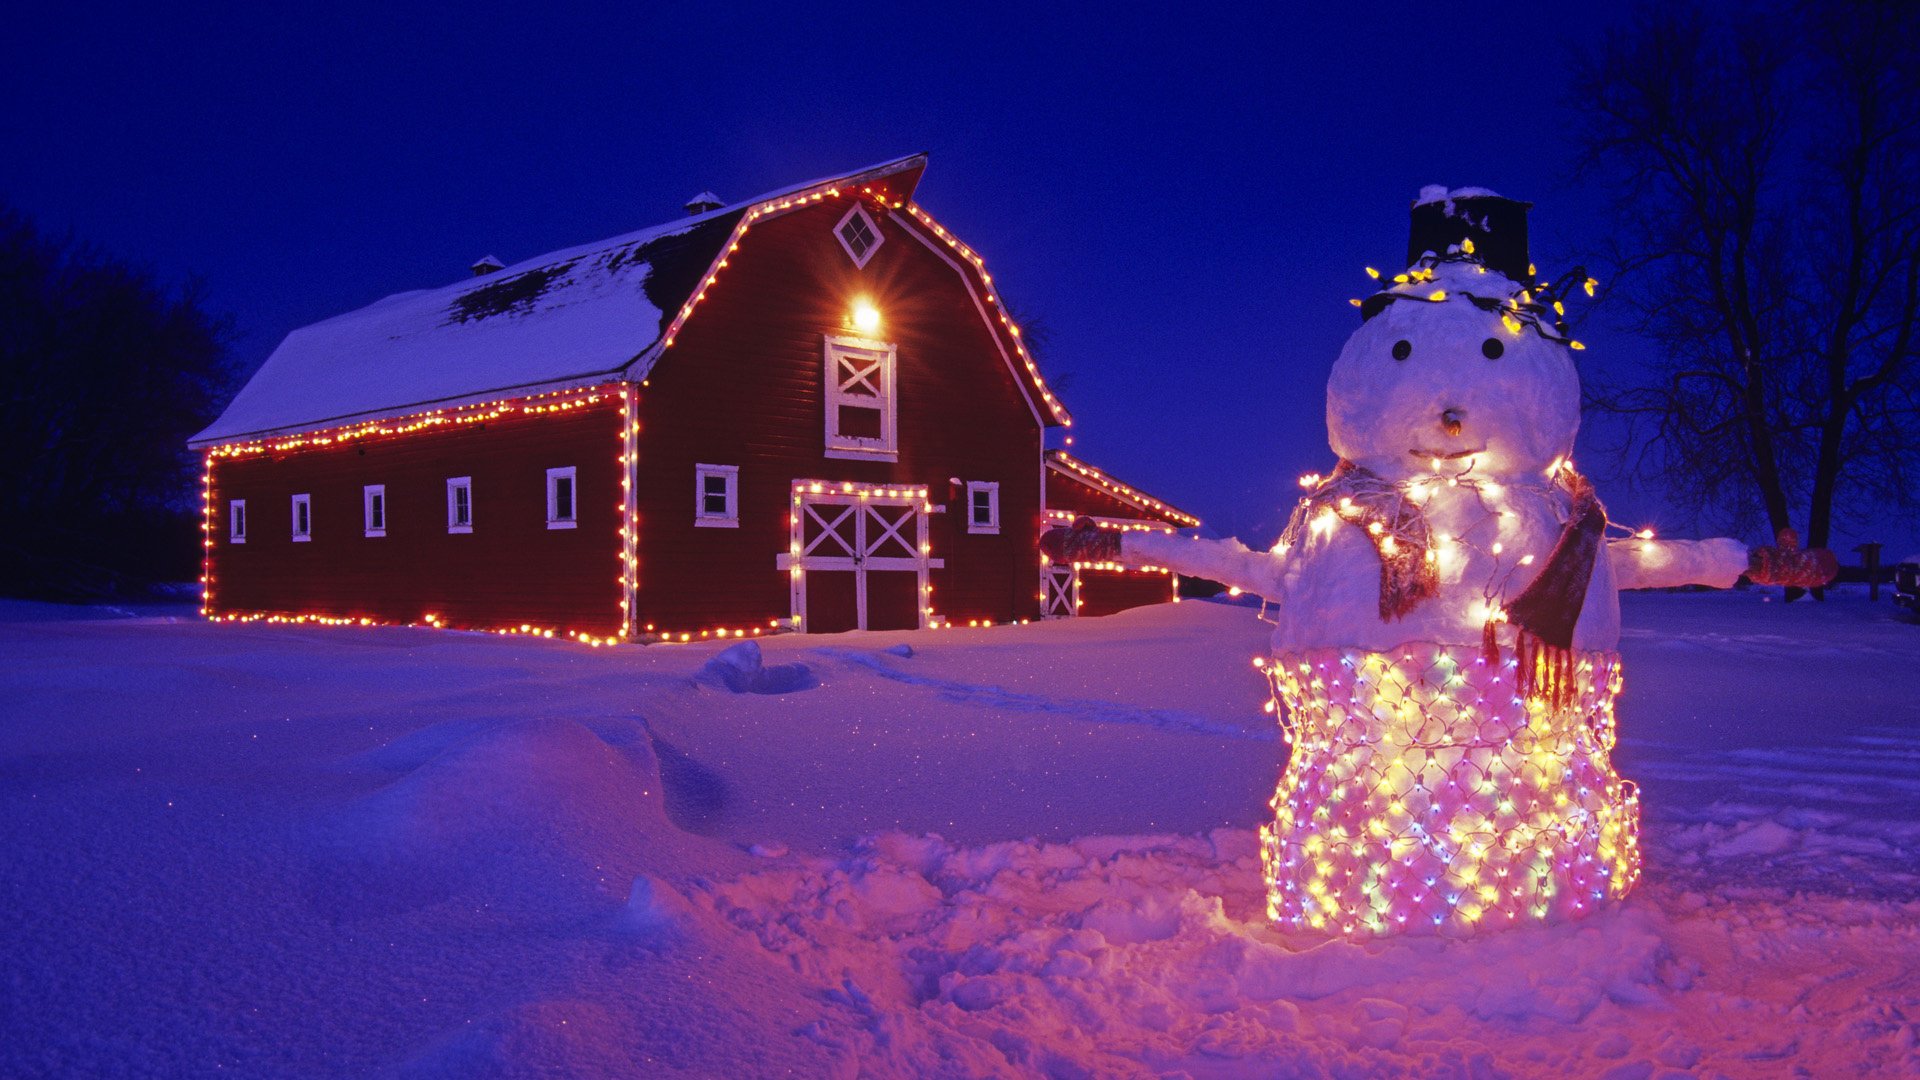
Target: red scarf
x,y
1543,615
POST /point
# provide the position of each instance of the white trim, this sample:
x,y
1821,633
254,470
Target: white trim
x,y
236,521
859,213
629,514
706,519
571,474
368,494
882,376
302,511
457,484
991,488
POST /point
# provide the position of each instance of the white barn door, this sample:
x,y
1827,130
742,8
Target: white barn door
x,y
1059,592
858,561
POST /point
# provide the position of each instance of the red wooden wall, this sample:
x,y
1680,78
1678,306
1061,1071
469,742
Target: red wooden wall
x,y
743,385
510,569
1103,592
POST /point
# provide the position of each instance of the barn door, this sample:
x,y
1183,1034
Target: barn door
x,y
1059,592
858,562
891,566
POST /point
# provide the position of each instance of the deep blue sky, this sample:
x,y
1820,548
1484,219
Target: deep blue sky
x,y
1185,200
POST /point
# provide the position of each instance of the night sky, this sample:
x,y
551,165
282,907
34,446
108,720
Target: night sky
x,y
1184,204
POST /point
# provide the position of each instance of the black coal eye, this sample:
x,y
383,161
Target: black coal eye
x,y
1491,348
1402,350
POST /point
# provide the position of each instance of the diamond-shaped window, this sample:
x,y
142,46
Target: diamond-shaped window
x,y
858,235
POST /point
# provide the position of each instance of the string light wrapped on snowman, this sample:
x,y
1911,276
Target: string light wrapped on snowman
x,y
1446,609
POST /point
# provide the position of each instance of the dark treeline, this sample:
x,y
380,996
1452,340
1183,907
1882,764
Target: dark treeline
x,y
107,374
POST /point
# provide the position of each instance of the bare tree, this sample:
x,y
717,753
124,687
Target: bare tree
x,y
1765,167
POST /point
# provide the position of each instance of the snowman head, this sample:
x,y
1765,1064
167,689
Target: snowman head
x,y
1448,374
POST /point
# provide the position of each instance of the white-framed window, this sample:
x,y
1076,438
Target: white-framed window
x,y
859,235
373,508
236,521
716,496
302,518
563,498
983,506
861,399
460,504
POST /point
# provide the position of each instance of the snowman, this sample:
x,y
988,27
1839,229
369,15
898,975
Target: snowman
x,y
1446,608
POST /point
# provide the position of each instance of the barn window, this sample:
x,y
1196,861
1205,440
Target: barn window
x,y
373,504
562,499
860,399
983,506
716,496
859,235
302,518
237,521
460,504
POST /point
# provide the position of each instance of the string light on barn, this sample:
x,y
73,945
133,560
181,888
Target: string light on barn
x,y
883,202
549,404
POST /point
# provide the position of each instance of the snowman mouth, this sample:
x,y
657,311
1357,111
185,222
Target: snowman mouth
x,y
1434,455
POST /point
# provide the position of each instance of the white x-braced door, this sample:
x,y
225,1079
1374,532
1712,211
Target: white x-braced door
x,y
858,562
1059,592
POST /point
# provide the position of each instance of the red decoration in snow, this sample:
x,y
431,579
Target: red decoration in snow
x,y
1792,565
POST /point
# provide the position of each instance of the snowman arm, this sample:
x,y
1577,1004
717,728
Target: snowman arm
x,y
1660,564
1228,562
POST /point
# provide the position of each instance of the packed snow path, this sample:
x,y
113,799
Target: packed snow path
x,y
1021,851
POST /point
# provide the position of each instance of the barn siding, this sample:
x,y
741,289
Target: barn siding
x,y
743,385
510,570
1103,592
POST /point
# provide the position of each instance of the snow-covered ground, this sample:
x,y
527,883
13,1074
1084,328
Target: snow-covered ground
x,y
1022,851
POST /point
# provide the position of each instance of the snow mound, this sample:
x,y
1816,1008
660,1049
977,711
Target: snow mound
x,y
537,1038
526,814
654,909
740,669
1131,956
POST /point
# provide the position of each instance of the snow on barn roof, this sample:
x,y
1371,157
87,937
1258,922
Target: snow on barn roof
x,y
569,317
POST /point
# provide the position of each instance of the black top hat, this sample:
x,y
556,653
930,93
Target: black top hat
x,y
1497,226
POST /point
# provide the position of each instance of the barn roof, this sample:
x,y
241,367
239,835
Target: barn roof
x,y
1060,463
568,317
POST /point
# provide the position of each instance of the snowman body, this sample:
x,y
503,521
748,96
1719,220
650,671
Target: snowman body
x,y
1426,789
1432,785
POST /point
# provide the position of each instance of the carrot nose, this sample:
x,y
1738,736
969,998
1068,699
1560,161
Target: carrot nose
x,y
1451,420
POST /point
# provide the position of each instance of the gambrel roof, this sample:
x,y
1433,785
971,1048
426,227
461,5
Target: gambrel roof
x,y
573,317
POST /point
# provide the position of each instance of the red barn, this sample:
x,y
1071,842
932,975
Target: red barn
x,y
808,410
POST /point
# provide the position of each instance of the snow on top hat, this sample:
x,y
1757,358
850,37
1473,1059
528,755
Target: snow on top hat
x,y
1495,224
